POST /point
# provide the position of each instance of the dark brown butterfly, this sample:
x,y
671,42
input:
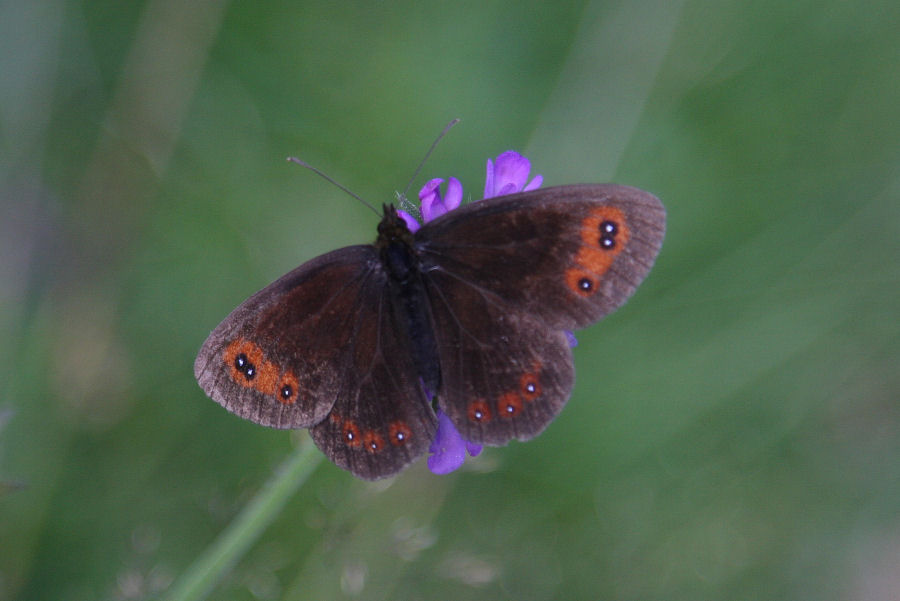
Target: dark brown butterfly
x,y
473,308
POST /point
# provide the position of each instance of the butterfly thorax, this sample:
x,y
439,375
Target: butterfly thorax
x,y
395,247
409,294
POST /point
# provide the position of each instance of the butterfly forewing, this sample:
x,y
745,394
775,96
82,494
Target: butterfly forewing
x,y
277,359
568,255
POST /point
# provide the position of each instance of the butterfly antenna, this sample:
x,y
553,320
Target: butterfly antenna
x,y
327,178
428,154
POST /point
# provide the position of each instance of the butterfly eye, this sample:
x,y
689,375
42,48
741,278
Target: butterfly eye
x,y
249,371
608,242
286,392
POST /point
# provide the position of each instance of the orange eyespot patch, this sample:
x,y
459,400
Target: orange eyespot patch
x,y
604,233
249,367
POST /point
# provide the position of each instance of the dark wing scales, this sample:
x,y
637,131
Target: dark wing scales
x,y
544,251
505,374
508,276
382,419
277,359
320,349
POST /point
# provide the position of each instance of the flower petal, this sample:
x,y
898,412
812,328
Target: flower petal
x,y
473,448
534,184
433,204
448,449
429,195
508,175
411,222
489,179
454,193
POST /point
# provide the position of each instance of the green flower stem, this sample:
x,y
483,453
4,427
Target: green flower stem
x,y
246,528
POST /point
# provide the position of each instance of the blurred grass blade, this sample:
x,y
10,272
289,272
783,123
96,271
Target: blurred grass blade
x,y
247,527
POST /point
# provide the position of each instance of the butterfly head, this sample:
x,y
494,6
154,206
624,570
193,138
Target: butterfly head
x,y
392,229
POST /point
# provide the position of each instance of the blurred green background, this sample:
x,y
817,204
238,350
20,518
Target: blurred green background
x,y
735,428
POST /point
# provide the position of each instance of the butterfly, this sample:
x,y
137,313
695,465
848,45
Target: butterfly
x,y
471,315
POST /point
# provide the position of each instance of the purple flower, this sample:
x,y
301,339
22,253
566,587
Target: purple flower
x,y
506,175
432,203
411,222
509,175
448,449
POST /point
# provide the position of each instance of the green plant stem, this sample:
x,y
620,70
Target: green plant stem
x,y
246,528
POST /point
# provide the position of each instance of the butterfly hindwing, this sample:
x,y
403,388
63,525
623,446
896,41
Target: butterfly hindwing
x,y
504,374
382,419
